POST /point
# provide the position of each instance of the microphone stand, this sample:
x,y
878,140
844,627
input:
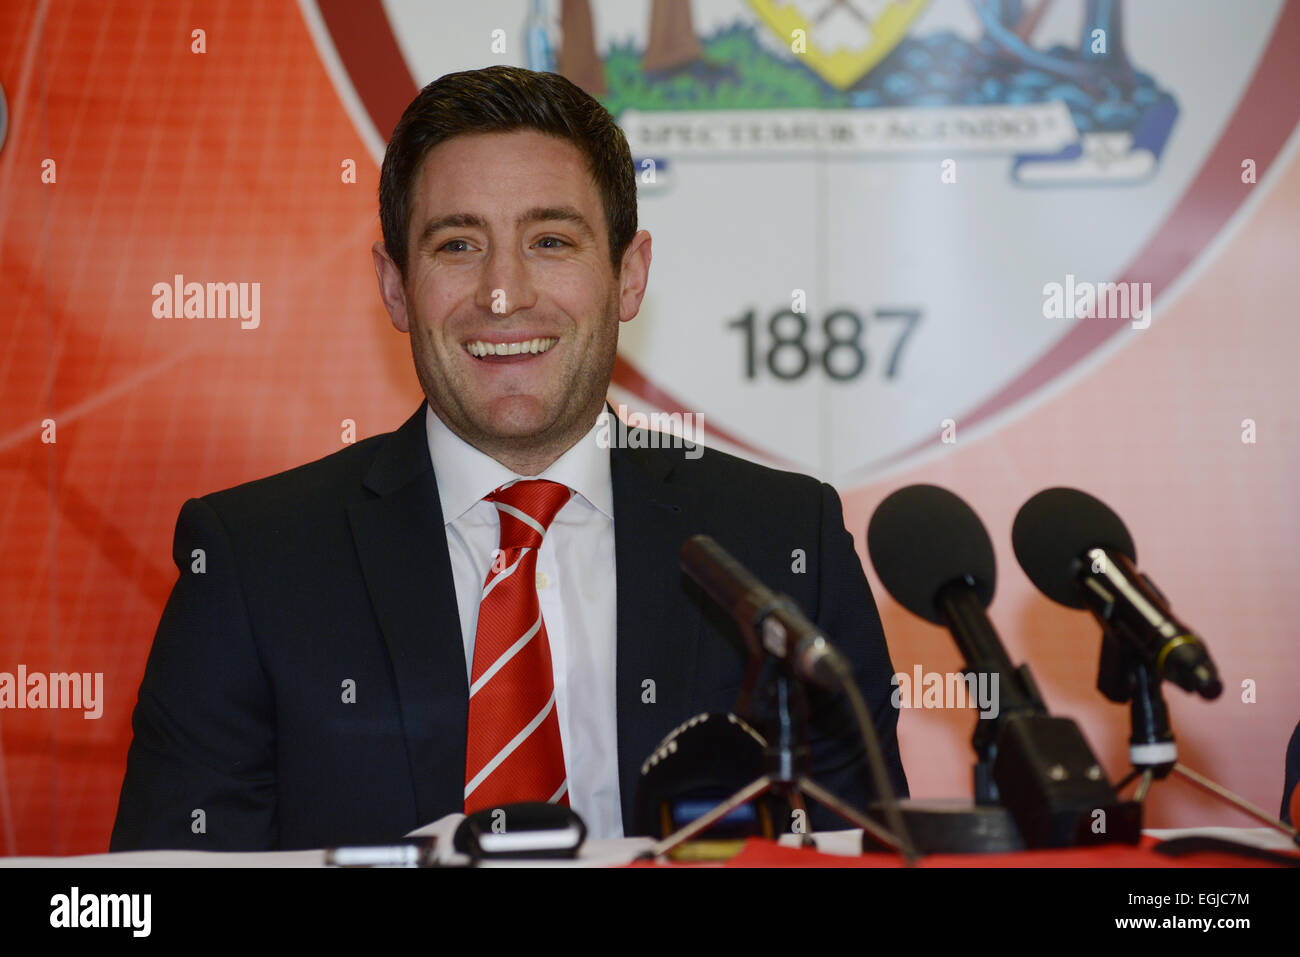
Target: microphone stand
x,y
1124,676
787,763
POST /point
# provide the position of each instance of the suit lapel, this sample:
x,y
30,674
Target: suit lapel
x,y
657,634
402,546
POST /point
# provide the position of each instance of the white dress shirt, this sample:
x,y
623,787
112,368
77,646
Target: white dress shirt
x,y
575,589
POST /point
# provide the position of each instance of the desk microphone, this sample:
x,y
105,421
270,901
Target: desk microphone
x,y
1078,553
771,623
774,626
934,556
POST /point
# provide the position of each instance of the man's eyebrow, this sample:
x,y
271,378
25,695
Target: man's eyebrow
x,y
565,214
538,214
450,221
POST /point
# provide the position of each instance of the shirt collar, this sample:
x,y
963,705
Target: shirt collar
x,y
466,474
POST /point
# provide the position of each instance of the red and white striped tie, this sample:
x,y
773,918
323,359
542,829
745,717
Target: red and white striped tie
x,y
513,752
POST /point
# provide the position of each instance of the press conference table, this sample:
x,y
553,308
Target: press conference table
x,y
835,849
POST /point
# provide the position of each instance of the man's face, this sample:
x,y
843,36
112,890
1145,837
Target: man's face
x,y
510,299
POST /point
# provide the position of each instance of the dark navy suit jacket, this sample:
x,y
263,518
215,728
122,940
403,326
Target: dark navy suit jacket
x,y
338,571
1292,776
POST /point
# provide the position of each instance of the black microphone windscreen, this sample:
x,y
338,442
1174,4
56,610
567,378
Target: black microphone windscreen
x,y
922,538
1054,529
703,761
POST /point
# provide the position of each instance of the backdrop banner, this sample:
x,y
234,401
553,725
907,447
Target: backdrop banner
x,y
994,245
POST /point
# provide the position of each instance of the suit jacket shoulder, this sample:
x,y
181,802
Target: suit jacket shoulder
x,y
308,493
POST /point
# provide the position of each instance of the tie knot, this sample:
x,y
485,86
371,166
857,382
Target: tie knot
x,y
527,509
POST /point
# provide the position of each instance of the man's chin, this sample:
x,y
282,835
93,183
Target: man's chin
x,y
516,418
515,425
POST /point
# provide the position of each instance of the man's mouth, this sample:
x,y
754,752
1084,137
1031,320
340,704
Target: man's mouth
x,y
484,349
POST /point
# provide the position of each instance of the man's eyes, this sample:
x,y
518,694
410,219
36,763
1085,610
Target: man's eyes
x,y
462,245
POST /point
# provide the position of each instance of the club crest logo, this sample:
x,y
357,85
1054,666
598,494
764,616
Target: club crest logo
x,y
873,30
868,213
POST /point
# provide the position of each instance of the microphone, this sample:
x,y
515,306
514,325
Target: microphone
x,y
774,624
1078,553
934,556
770,622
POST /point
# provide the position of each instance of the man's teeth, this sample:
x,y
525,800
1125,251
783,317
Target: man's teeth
x,y
534,346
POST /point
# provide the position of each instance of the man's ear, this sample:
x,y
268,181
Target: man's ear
x,y
391,289
634,276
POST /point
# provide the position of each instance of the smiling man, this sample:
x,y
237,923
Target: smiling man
x,y
484,606
510,292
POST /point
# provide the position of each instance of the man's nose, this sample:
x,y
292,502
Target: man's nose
x,y
505,284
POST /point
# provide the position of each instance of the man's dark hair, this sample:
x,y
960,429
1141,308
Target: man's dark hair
x,y
502,99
